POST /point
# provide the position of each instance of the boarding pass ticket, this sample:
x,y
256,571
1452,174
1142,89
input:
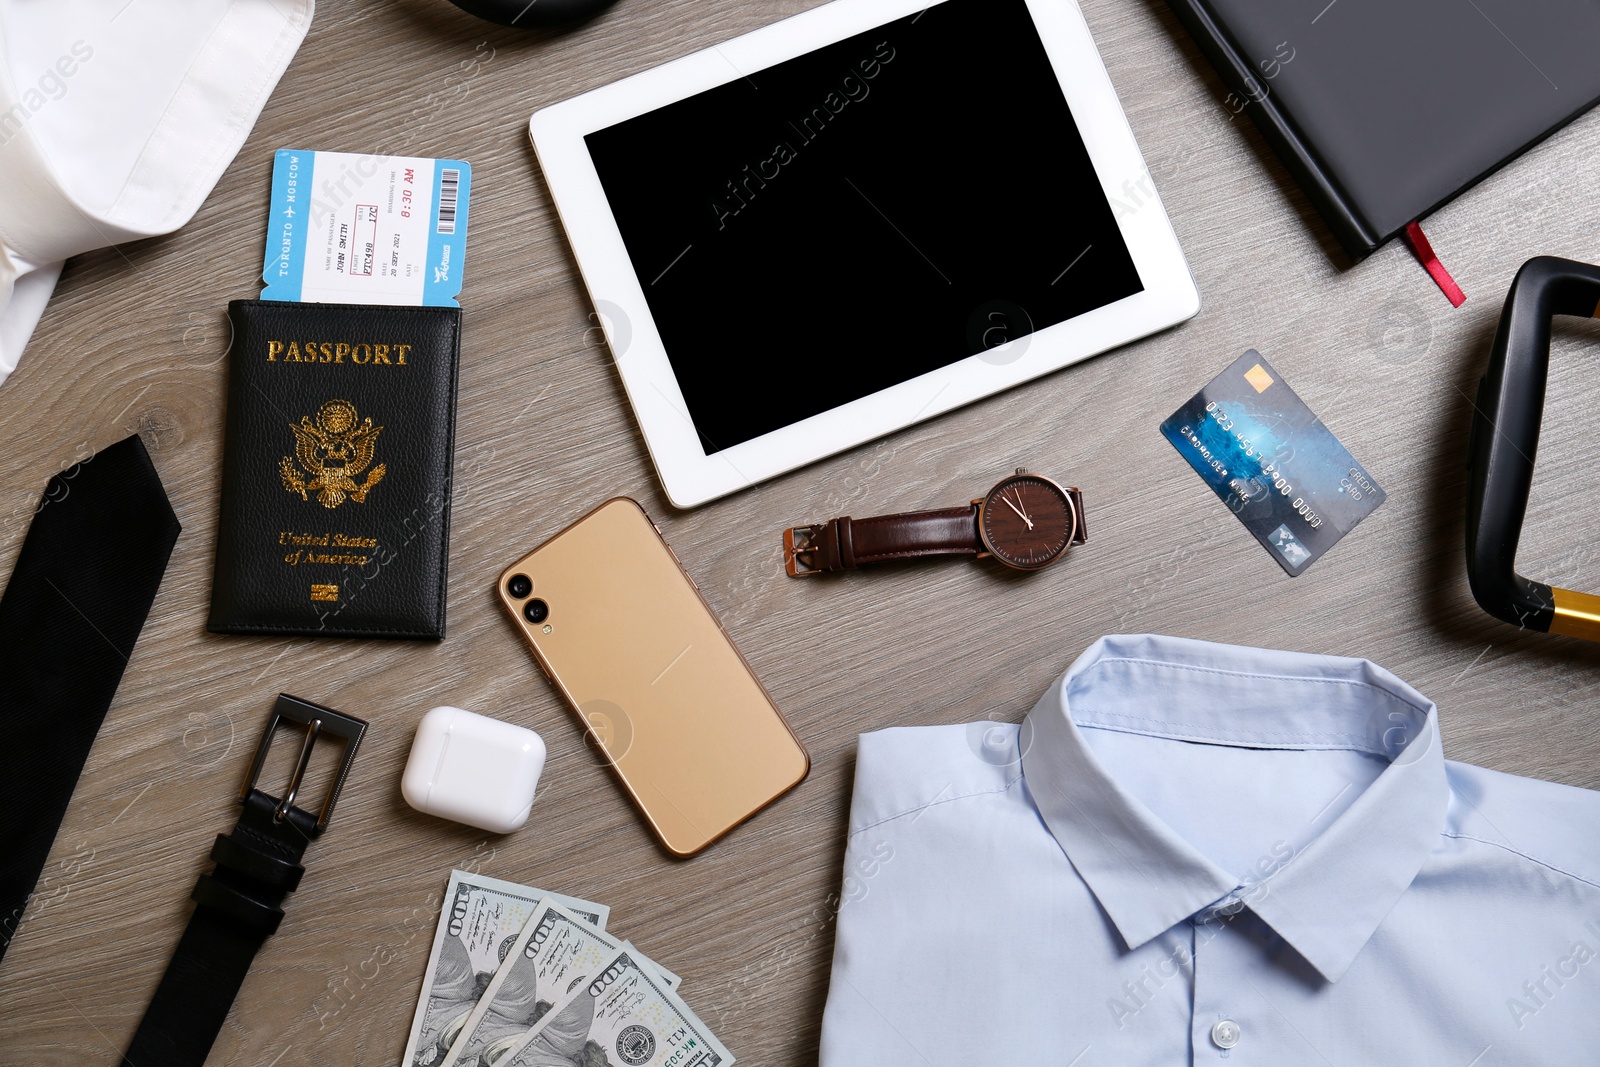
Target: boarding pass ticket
x,y
366,229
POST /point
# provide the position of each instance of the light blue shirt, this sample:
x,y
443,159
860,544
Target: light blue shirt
x,y
1199,853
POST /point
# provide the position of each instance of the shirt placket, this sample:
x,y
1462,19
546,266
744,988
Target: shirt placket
x,y
1221,1024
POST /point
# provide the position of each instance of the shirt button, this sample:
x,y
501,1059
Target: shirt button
x,y
1225,1034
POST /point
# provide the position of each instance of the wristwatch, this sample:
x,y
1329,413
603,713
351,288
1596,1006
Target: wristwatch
x,y
1026,522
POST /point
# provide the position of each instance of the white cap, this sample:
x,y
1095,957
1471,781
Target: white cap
x,y
473,769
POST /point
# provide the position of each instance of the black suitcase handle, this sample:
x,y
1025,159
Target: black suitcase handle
x,y
1504,441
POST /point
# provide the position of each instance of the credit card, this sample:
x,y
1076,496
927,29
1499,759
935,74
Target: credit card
x,y
1276,466
354,229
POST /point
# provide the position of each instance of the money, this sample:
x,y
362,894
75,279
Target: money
x,y
481,920
555,951
624,1014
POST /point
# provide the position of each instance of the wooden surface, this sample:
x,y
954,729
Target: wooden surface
x,y
134,340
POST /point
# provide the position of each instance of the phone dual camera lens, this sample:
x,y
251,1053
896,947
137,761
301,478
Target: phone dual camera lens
x,y
519,586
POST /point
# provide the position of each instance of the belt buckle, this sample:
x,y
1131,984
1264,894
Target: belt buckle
x,y
793,549
317,720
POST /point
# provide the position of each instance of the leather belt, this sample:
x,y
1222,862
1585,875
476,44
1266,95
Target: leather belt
x,y
237,905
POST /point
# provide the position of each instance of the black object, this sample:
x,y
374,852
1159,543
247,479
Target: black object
x,y
237,904
537,611
1385,111
534,13
77,599
1504,441
336,470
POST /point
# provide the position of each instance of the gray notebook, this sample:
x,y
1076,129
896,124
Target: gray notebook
x,y
1386,109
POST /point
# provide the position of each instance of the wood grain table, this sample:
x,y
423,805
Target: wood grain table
x,y
135,338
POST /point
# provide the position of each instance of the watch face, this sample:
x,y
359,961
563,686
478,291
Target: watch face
x,y
1027,521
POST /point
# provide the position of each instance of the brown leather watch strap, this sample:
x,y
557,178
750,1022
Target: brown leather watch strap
x,y
1080,529
845,543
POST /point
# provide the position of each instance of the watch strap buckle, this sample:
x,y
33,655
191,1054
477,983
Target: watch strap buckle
x,y
318,722
802,541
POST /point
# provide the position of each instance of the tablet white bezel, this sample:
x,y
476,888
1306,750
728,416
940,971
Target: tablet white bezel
x,y
689,476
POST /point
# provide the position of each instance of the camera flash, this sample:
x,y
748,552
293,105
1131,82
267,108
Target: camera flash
x,y
547,629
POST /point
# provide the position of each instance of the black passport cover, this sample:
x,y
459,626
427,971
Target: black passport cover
x,y
336,470
1390,108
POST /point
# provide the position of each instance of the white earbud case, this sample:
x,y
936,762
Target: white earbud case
x,y
473,769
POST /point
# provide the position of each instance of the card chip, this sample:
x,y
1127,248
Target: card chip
x,y
1258,377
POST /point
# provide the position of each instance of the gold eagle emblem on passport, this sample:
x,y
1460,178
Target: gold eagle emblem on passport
x,y
333,452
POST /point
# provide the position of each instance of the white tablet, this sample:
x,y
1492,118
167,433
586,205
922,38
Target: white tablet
x,y
853,220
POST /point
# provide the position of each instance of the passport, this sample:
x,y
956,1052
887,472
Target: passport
x,y
337,457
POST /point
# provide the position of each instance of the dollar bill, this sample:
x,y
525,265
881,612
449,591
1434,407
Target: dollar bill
x,y
623,1016
555,951
478,924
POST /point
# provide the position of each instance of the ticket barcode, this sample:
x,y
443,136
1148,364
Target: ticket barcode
x,y
449,194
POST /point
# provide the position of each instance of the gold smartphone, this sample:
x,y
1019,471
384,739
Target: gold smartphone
x,y
620,628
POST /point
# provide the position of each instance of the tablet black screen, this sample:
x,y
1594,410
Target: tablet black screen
x,y
822,229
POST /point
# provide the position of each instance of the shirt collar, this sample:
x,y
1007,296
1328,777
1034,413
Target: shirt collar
x,y
1326,900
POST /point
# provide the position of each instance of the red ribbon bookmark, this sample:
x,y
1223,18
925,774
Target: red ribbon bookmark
x,y
1417,241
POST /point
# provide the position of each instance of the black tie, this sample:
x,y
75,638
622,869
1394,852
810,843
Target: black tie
x,y
84,582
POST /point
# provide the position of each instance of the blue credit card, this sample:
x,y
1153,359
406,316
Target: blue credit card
x,y
1261,450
